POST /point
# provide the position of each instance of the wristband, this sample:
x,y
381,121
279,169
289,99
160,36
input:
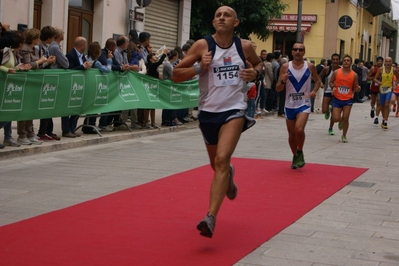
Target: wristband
x,y
198,69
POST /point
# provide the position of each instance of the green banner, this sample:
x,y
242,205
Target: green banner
x,y
54,93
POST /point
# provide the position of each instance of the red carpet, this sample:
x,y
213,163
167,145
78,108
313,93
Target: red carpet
x,y
155,223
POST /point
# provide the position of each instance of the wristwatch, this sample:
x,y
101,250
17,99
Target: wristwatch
x,y
257,74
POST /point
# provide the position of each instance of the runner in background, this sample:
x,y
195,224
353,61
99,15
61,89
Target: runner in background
x,y
327,97
374,89
345,83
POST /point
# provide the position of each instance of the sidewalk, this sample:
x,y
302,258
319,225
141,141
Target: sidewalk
x,y
85,139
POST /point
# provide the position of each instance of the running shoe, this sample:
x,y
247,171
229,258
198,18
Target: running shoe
x,y
294,164
344,139
376,121
394,108
372,114
327,115
207,225
231,192
331,131
340,125
384,125
300,160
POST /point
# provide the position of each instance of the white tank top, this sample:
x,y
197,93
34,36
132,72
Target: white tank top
x,y
298,86
221,88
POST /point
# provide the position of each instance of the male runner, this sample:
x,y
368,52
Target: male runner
x,y
385,78
296,76
374,89
226,64
327,97
344,82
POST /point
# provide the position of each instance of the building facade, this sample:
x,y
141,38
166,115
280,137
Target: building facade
x,y
361,28
168,21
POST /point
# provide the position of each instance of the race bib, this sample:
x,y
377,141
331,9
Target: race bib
x,y
226,75
343,90
385,90
298,96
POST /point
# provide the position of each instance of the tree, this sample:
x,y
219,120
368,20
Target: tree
x,y
254,16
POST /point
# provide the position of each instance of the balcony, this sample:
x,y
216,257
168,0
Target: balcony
x,y
376,7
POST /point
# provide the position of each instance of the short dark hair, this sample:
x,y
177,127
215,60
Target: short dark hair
x,y
269,56
380,58
144,36
185,47
46,33
277,55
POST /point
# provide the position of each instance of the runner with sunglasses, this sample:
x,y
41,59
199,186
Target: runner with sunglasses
x,y
296,77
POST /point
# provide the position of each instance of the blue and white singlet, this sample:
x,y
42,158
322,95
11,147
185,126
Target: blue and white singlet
x,y
298,87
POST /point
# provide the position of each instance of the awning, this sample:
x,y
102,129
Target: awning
x,y
287,26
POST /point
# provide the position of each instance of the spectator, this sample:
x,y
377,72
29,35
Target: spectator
x,y
26,134
10,64
144,39
110,46
46,38
135,58
152,70
168,115
185,49
77,61
93,53
133,36
61,61
120,55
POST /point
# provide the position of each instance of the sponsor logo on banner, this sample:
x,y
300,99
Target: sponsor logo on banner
x,y
77,91
175,95
152,90
48,93
192,92
13,94
102,90
126,90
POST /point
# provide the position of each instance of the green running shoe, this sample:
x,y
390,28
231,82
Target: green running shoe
x,y
344,139
327,115
340,125
331,131
294,162
300,160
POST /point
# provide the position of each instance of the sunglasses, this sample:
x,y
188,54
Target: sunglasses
x,y
298,49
